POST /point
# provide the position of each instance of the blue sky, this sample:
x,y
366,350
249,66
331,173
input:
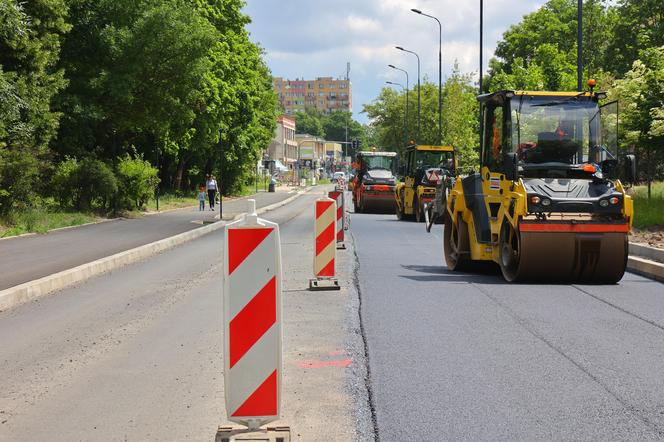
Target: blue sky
x,y
308,38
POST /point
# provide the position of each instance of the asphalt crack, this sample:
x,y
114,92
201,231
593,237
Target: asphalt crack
x,y
532,331
617,307
367,379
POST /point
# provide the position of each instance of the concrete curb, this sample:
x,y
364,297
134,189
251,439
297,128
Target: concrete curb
x,y
37,288
645,267
646,261
645,251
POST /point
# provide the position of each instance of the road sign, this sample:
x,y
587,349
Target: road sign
x,y
252,321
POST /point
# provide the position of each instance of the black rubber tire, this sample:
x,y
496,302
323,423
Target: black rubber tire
x,y
418,209
510,252
456,244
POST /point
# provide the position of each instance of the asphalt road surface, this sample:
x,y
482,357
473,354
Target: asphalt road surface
x,y
456,356
136,354
31,257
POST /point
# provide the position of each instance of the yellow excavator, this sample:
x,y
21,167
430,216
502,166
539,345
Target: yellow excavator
x,y
548,203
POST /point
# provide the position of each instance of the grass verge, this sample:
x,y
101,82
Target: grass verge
x,y
174,201
40,220
649,213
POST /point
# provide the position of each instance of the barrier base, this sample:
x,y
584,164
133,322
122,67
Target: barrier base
x,y
323,284
341,246
269,434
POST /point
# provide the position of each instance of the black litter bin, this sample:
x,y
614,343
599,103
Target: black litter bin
x,y
272,185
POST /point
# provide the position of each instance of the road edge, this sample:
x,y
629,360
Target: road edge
x,y
38,288
646,261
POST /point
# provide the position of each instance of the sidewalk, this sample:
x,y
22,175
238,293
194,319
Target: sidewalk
x,y
27,258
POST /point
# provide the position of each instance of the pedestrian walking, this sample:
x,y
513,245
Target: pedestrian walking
x,y
201,198
212,190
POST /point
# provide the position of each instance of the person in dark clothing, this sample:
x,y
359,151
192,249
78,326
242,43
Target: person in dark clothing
x,y
211,185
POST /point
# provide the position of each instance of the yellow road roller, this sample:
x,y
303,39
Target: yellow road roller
x,y
423,169
548,203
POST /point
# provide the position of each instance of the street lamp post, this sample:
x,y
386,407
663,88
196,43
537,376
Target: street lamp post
x,y
405,118
418,90
440,73
407,84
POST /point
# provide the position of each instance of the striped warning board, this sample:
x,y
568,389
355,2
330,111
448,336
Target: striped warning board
x,y
325,234
338,196
252,321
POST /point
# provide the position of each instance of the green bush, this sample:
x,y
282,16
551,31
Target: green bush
x,y
64,187
84,185
96,183
137,182
19,176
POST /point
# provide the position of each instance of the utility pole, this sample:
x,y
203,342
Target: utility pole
x,y
440,74
347,116
481,42
579,48
418,91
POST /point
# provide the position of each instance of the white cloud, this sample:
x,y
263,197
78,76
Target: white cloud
x,y
305,38
362,24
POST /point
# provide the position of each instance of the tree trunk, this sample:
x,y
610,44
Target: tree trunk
x,y
649,174
179,174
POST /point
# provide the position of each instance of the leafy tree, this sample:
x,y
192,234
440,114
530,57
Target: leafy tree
x,y
310,122
638,24
30,34
460,117
540,51
641,95
134,69
238,113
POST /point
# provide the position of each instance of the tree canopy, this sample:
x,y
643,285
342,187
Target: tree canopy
x,y
174,83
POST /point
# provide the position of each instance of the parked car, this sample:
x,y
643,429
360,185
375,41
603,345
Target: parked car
x,y
337,175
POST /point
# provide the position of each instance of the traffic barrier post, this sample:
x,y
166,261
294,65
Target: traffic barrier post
x,y
340,198
325,250
252,321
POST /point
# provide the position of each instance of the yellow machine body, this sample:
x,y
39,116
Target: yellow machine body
x,y
416,189
537,218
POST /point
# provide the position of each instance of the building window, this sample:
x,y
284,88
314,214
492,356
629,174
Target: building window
x,y
343,85
320,85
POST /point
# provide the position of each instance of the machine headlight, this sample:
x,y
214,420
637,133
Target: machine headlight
x,y
535,199
604,203
614,200
546,202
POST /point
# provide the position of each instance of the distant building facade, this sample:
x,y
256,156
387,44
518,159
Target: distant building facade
x,y
333,152
312,150
324,94
284,146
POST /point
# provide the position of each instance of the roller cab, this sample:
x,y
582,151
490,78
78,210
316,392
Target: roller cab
x,y
547,204
425,168
374,182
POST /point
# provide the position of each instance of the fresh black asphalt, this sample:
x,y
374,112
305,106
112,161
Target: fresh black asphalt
x,y
457,356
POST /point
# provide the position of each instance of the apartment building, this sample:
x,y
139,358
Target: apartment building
x,y
324,94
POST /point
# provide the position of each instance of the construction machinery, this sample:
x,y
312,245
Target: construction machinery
x,y
547,204
374,182
423,170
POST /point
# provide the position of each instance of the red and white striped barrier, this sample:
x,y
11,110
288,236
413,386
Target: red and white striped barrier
x,y
252,321
339,197
325,249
